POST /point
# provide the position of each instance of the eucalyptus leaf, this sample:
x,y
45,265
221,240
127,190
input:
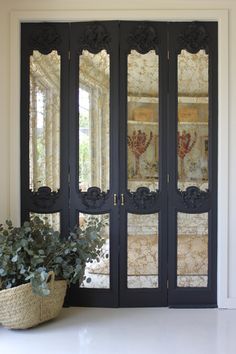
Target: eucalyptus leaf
x,y
30,252
14,258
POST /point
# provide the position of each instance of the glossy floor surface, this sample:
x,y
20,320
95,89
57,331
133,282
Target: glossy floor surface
x,y
128,331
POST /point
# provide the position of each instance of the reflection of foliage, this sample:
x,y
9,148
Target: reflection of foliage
x,y
83,121
84,152
41,156
84,163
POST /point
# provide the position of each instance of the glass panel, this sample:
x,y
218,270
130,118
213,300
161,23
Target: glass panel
x,y
53,219
192,250
142,251
94,120
97,273
193,116
44,122
143,146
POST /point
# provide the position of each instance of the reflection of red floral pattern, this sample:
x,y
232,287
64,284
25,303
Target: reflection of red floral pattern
x,y
138,142
184,145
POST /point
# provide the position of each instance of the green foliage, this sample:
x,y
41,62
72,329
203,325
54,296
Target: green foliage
x,y
30,252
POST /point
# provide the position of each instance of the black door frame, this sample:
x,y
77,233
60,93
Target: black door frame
x,y
33,38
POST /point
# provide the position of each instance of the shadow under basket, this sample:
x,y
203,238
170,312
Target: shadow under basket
x,y
20,308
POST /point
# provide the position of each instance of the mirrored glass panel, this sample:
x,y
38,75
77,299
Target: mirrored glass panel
x,y
143,119
193,117
94,120
142,251
44,121
53,219
97,272
192,250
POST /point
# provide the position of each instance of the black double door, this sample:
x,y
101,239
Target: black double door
x,y
119,122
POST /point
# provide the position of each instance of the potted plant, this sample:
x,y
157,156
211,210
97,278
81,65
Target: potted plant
x,y
36,265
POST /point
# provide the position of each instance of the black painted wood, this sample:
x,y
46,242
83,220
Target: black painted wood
x,y
119,38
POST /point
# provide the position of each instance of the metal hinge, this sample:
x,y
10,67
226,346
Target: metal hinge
x,y
69,55
168,55
168,178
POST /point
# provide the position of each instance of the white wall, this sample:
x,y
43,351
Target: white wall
x,y
9,6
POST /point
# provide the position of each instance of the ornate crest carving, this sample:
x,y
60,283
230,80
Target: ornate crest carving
x,y
193,197
45,39
143,198
193,38
95,38
143,39
44,197
93,198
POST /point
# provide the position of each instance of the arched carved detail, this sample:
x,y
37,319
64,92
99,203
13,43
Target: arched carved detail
x,y
45,38
143,39
193,38
95,38
193,197
94,198
143,198
44,197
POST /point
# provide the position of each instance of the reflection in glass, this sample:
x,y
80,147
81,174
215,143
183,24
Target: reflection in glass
x,y
192,250
193,119
53,219
44,122
94,117
142,251
143,146
98,272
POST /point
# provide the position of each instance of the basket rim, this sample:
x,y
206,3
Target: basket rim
x,y
25,285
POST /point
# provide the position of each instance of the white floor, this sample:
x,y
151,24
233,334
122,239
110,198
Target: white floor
x,y
127,331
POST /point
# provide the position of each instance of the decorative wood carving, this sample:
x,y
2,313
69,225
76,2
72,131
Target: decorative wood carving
x,y
143,198
193,197
193,38
94,198
143,39
45,38
95,39
44,197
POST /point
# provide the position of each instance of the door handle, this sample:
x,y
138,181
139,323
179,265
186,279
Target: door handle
x,y
115,199
122,199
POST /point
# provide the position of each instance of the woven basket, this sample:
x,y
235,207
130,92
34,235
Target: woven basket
x,y
20,308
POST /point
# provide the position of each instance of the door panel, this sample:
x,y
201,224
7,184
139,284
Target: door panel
x,y
143,189
94,140
44,126
192,164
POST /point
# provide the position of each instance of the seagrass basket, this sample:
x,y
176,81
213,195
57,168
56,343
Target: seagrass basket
x,y
20,308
